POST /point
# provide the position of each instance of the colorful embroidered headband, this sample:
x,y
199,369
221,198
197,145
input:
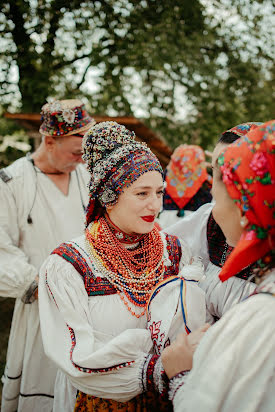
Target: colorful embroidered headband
x,y
248,171
243,128
64,118
115,160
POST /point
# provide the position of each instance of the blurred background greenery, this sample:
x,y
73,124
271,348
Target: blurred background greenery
x,y
190,69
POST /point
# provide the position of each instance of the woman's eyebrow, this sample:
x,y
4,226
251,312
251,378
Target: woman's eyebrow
x,y
146,187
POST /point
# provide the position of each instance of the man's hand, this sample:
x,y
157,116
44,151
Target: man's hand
x,y
178,356
36,291
31,293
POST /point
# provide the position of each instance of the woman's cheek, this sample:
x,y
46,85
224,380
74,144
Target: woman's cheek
x,y
215,212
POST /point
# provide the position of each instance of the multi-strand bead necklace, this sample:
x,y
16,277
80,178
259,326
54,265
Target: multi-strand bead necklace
x,y
132,272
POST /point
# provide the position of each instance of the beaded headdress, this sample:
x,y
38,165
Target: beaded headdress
x,y
64,118
115,160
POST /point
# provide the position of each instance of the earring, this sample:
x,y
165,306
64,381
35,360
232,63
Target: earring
x,y
243,221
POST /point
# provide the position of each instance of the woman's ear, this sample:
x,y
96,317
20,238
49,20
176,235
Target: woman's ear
x,y
49,142
109,208
244,221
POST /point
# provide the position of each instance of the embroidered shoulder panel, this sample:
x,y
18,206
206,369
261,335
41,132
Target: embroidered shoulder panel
x,y
95,286
174,254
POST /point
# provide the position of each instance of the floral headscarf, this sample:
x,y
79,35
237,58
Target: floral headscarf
x,y
248,171
186,172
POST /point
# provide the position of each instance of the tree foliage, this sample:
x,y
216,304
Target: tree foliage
x,y
14,142
191,68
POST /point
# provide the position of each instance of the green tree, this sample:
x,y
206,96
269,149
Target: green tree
x,y
192,69
14,142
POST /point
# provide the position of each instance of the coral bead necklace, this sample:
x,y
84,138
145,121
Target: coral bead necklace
x,y
132,272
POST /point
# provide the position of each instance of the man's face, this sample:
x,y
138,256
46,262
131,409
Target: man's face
x,y
66,153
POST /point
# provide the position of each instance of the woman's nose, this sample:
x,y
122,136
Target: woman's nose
x,y
155,203
79,158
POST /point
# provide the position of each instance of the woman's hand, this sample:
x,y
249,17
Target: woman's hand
x,y
31,293
178,356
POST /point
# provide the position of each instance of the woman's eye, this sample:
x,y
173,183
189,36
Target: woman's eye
x,y
141,194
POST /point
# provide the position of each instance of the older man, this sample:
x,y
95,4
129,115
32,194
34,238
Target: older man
x,y
42,197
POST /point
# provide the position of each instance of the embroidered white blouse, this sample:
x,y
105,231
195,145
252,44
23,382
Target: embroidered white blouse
x,y
234,364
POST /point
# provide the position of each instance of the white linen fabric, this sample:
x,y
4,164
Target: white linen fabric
x,y
167,316
220,296
94,340
234,364
193,230
169,217
29,375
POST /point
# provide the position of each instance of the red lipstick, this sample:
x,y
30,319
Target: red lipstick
x,y
150,218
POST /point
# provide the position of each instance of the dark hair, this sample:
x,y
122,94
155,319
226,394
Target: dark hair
x,y
94,211
228,137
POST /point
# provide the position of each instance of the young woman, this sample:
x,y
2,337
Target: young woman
x,y
234,364
94,290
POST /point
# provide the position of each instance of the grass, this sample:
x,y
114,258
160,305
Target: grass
x,y
6,311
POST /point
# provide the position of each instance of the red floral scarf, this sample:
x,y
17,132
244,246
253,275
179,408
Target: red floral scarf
x,y
248,171
186,172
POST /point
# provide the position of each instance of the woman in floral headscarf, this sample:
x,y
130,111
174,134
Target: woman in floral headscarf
x,y
234,364
206,239
187,184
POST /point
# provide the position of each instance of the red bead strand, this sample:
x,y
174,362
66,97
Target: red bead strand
x,y
132,272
